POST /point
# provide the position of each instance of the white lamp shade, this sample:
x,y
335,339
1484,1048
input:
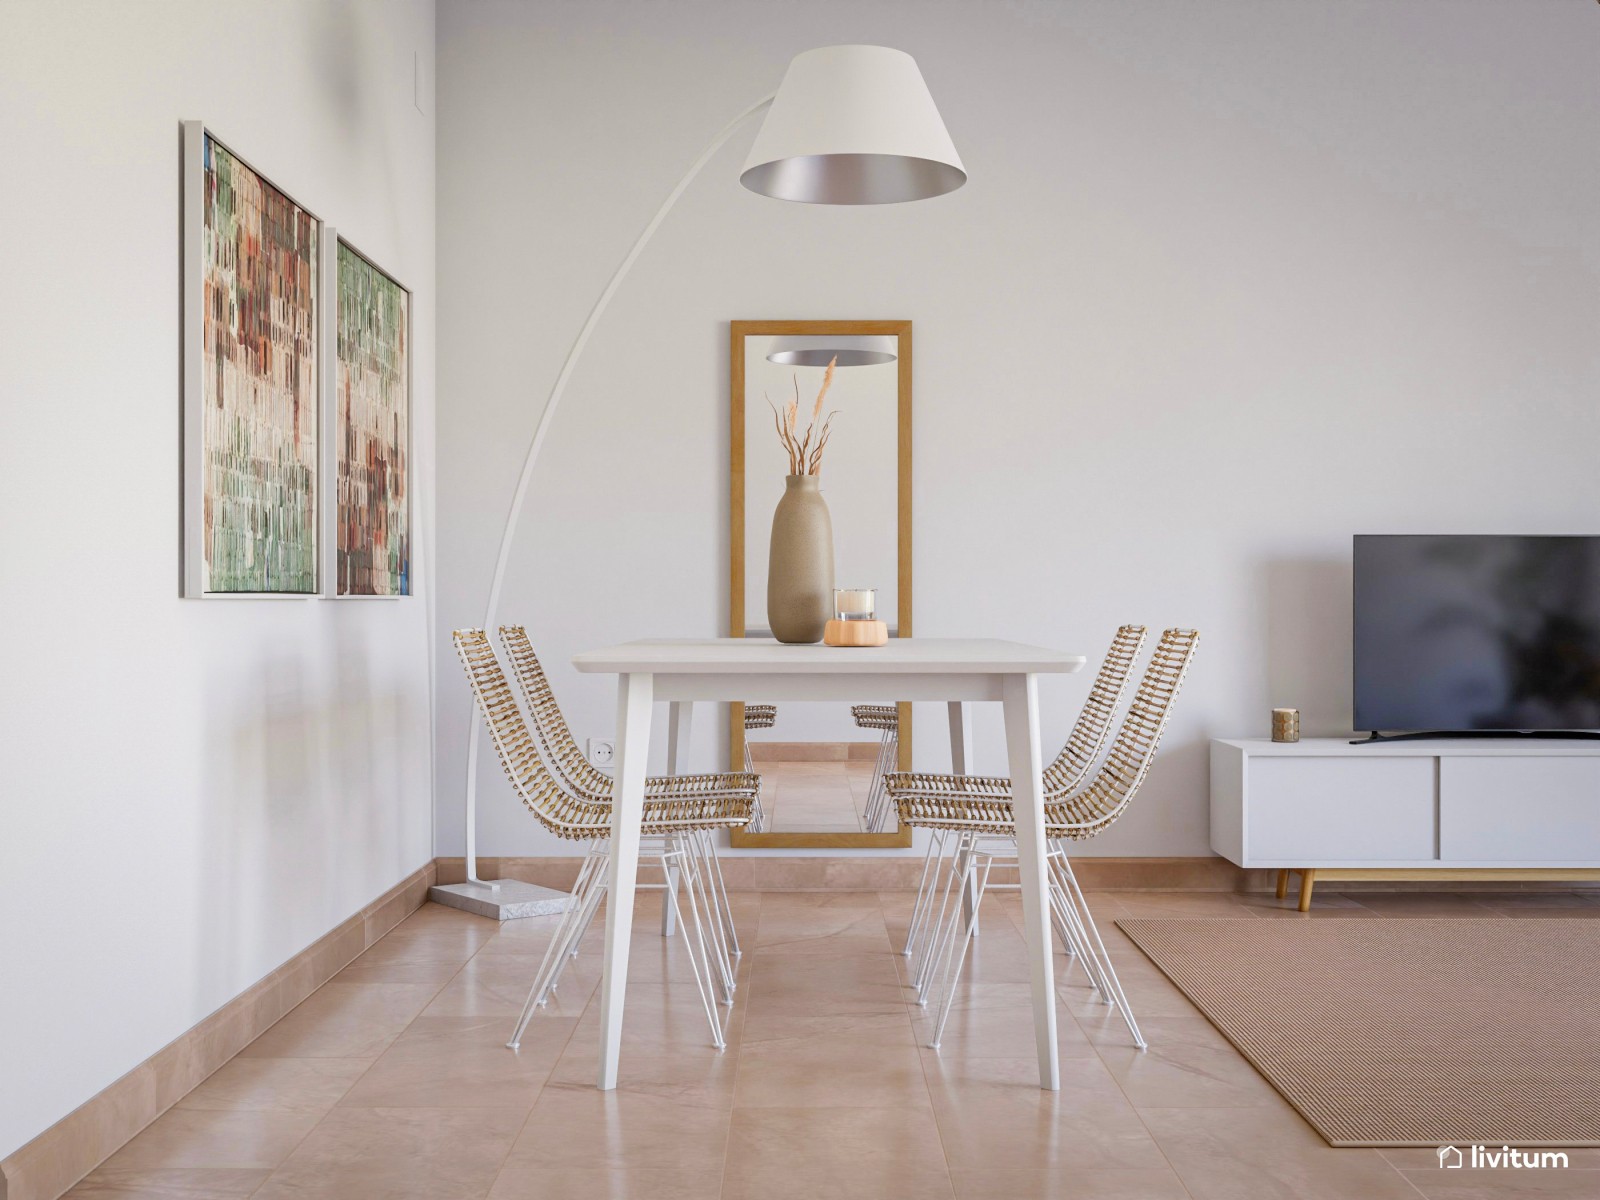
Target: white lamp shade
x,y
853,125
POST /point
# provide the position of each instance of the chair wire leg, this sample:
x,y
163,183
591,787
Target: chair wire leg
x,y
701,893
1098,949
920,908
981,879
732,934
1070,927
956,881
932,922
699,964
585,895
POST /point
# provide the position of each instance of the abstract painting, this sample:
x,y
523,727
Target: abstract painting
x,y
372,432
254,528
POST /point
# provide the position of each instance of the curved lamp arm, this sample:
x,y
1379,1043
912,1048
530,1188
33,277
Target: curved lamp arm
x,y
491,610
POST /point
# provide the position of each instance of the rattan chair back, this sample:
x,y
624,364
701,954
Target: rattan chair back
x,y
1094,719
558,810
549,725
1086,812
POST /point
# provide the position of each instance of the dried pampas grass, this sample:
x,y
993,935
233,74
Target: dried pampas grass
x,y
804,458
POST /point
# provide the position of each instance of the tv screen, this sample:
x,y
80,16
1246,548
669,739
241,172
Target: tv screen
x,y
1458,633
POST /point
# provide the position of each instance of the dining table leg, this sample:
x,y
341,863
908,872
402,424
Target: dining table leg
x,y
1020,695
634,693
960,749
680,727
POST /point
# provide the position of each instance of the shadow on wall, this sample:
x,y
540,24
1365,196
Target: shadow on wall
x,y
1308,612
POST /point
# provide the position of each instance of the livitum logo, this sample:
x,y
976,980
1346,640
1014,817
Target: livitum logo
x,y
1484,1157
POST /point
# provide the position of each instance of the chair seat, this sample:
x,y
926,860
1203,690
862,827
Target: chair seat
x,y
876,716
982,804
728,785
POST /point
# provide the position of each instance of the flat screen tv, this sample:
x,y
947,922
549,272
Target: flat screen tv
x,y
1477,634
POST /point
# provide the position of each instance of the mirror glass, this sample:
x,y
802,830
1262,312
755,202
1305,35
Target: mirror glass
x,y
820,764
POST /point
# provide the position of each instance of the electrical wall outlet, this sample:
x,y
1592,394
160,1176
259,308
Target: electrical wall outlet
x,y
602,752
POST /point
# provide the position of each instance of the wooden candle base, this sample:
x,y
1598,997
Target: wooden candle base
x,y
855,633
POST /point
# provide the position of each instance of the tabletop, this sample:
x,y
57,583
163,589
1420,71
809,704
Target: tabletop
x,y
900,656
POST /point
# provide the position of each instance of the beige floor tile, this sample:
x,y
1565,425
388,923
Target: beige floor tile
x,y
840,1153
1069,1183
1504,1184
578,1183
1423,904
995,1020
1231,1153
398,1154
580,1126
344,1020
992,1114
187,1137
497,985
831,929
170,1183
823,985
696,1075
294,1084
839,1070
462,1062
1187,1064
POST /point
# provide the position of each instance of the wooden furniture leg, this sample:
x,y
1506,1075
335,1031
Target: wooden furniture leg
x,y
1308,880
1283,883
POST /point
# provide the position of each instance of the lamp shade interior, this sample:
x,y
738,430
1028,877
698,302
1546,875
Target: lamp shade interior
x,y
853,125
850,351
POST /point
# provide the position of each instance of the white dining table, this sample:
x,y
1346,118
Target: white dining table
x,y
957,671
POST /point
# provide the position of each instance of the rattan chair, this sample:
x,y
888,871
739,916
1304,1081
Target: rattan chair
x,y
569,765
974,807
883,719
671,823
1077,756
757,716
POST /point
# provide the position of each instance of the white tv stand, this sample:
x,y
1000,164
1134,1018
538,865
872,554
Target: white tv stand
x,y
1441,809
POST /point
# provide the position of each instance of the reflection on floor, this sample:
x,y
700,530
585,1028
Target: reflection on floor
x,y
392,1080
815,797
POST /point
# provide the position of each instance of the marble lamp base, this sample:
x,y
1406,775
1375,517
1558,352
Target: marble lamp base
x,y
509,899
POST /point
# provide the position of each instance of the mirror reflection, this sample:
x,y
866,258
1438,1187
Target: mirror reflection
x,y
822,764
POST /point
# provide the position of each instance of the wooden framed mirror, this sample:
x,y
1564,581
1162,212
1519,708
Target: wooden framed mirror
x,y
817,762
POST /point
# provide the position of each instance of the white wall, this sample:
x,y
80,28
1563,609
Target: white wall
x,y
1230,282
192,791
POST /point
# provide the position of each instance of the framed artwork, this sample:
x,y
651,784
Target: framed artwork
x,y
252,375
368,437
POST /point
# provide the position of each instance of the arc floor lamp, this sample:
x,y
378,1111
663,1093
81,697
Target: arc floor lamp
x,y
848,125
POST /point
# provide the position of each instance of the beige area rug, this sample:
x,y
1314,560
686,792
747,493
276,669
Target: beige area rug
x,y
1405,1032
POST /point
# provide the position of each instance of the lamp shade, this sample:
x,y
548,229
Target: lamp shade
x,y
845,351
853,125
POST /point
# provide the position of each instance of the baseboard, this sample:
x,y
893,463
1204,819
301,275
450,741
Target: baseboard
x,y
78,1143
866,872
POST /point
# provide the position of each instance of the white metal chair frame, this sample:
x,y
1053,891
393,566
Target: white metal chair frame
x,y
568,763
885,720
676,818
1079,753
979,807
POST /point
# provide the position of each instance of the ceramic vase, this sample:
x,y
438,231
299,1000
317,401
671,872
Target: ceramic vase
x,y
800,563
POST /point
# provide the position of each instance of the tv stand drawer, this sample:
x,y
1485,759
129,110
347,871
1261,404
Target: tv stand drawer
x,y
1342,808
1519,809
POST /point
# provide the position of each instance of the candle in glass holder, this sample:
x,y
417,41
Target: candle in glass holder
x,y
855,604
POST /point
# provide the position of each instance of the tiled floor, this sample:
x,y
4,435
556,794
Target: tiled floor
x,y
392,1080
815,797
